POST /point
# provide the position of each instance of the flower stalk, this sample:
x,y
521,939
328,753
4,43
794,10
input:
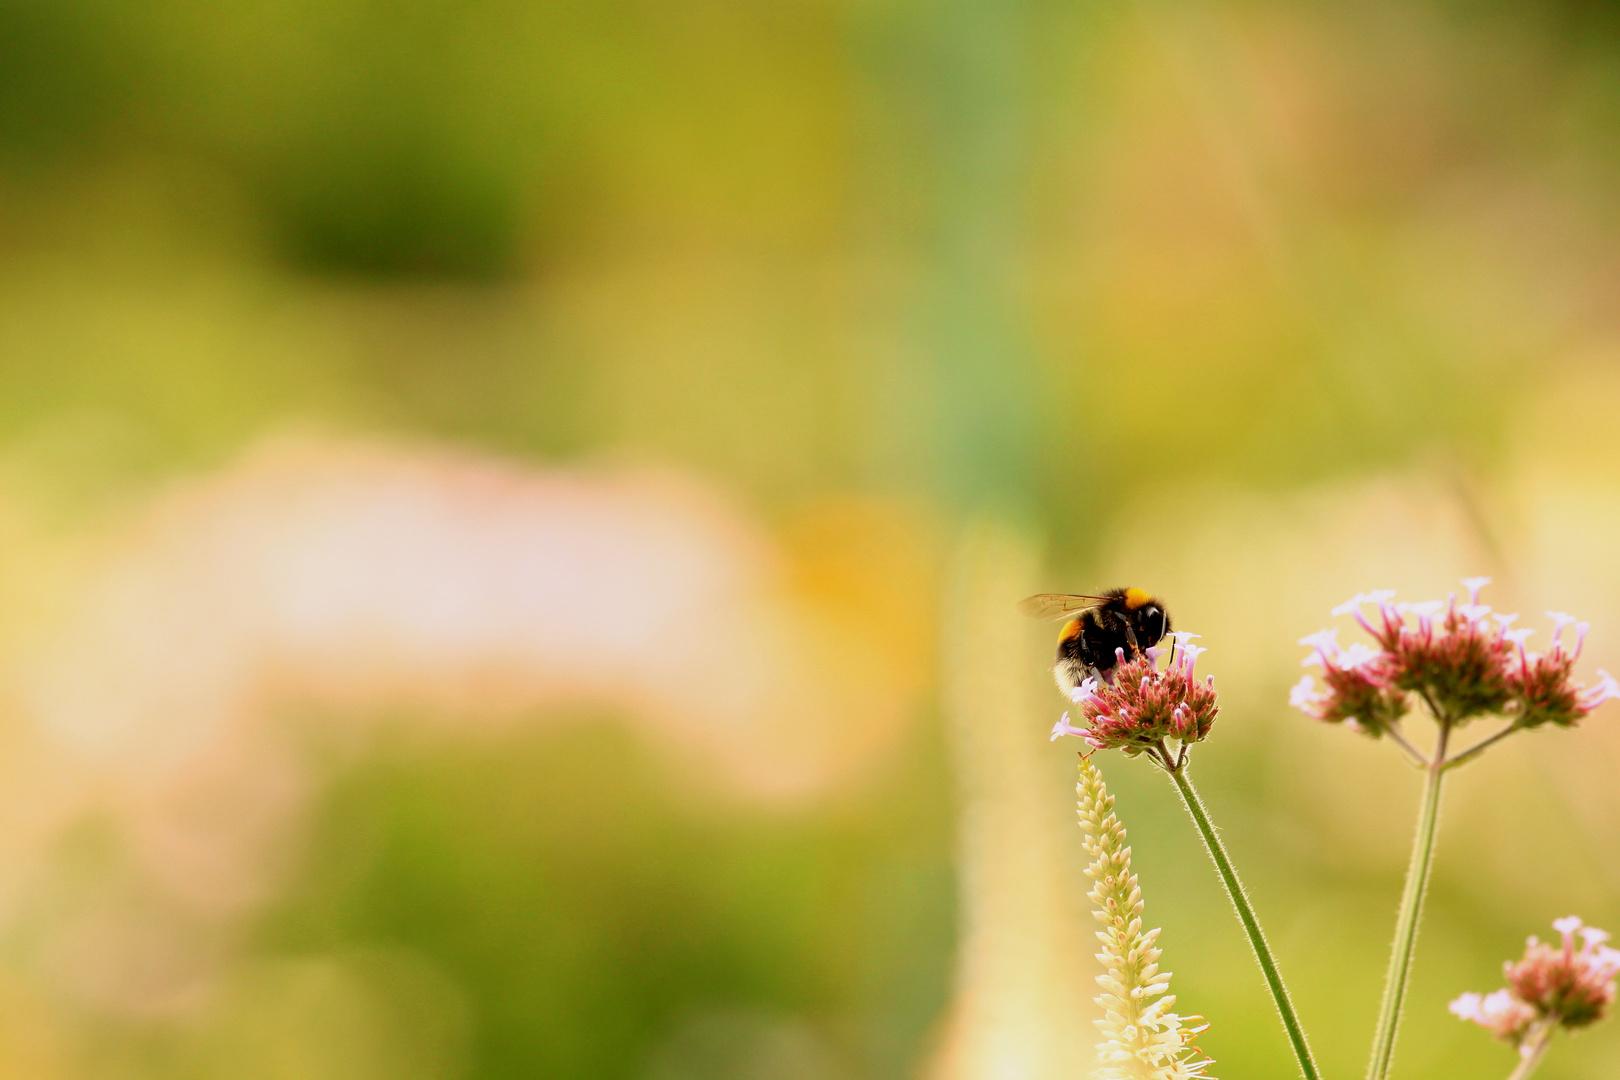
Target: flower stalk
x,y
1411,913
1535,1045
1246,916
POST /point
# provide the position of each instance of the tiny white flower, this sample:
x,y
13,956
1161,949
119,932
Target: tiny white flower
x,y
1357,655
1560,620
1467,1007
1326,644
1473,585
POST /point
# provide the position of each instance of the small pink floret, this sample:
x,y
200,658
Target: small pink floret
x,y
1350,605
1063,727
1191,653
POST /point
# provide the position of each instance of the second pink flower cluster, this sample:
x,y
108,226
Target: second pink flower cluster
x,y
1462,660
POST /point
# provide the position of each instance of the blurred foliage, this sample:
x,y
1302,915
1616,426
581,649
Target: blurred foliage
x,y
586,923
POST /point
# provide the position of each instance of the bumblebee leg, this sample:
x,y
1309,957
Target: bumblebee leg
x,y
1130,636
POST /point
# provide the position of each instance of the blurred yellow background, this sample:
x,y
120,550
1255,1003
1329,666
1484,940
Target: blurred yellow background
x,y
510,515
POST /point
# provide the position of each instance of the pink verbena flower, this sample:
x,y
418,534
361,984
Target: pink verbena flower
x,y
1457,660
1541,682
1462,659
1356,693
1553,984
1498,1012
1574,986
1143,707
1450,653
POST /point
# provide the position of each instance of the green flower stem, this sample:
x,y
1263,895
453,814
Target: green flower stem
x,y
1406,924
1480,747
1251,925
1412,752
1538,1043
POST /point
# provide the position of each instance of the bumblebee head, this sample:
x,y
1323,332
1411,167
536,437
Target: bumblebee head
x,y
1153,622
1145,614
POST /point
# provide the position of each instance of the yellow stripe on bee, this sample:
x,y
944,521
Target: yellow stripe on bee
x,y
1135,598
1071,630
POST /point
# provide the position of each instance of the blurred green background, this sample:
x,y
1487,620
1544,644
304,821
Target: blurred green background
x,y
1254,304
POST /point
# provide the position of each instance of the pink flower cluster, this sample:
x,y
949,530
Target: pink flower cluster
x,y
1356,693
1139,707
1554,984
1498,1012
1461,659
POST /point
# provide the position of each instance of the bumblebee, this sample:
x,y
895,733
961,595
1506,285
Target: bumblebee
x,y
1097,628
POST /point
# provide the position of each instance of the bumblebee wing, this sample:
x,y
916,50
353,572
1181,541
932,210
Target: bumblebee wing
x,y
1053,606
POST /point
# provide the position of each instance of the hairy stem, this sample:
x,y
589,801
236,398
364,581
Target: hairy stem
x,y
1412,752
1251,925
1406,923
1479,747
1537,1044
